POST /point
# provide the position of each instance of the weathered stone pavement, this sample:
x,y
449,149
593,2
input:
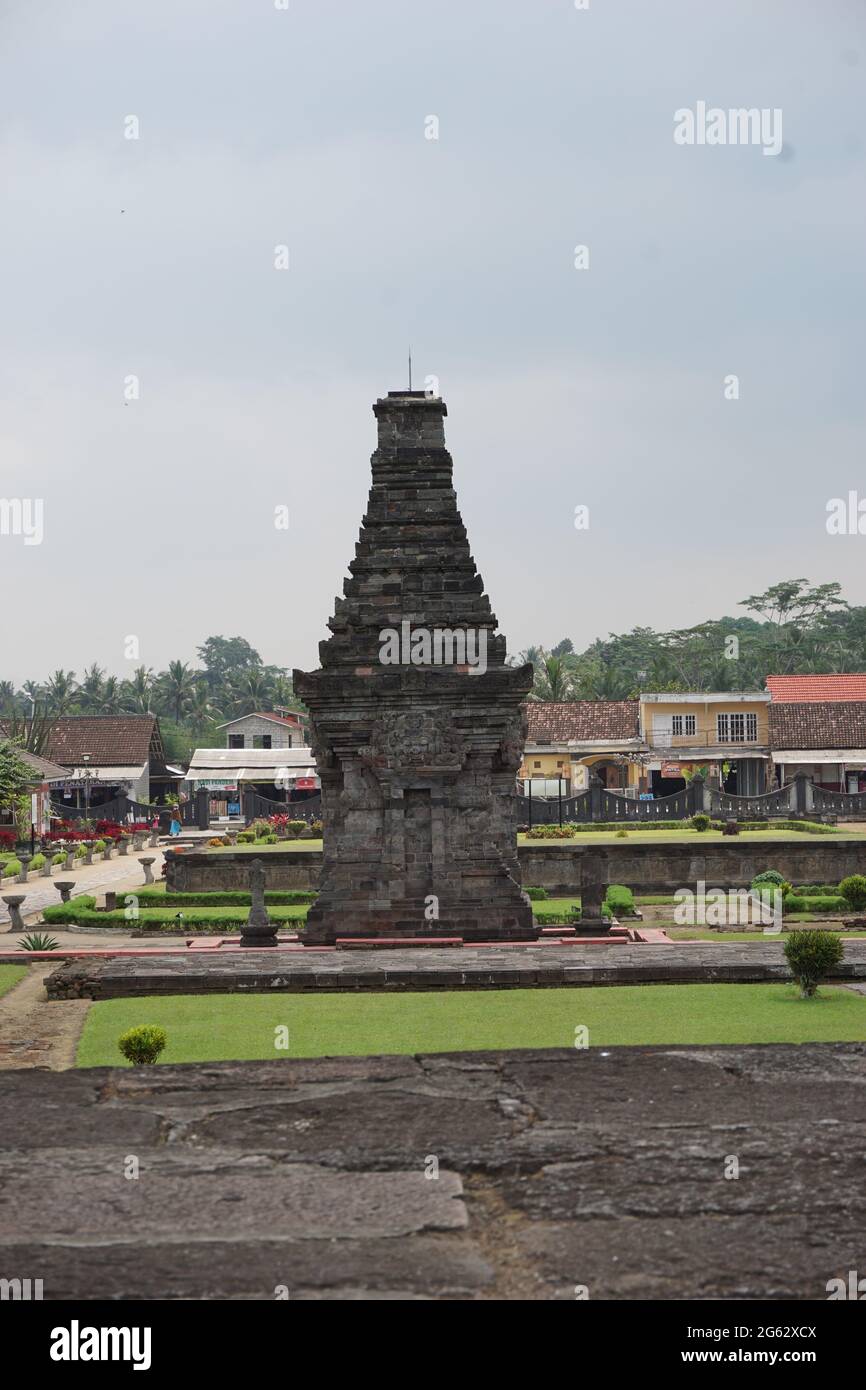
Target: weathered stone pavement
x,y
556,1169
470,967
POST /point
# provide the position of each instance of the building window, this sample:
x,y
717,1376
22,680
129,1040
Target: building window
x,y
261,740
536,764
737,728
683,724
236,741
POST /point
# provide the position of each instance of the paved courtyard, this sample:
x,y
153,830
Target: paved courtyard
x,y
561,1175
121,871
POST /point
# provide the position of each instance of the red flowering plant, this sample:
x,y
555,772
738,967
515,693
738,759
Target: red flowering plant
x,y
8,839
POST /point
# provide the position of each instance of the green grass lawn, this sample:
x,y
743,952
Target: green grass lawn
x,y
266,849
10,975
232,1026
611,837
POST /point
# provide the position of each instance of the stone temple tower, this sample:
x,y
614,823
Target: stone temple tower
x,y
416,720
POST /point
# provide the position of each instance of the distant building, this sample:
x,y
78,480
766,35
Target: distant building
x,y
111,755
45,778
824,739
260,730
572,738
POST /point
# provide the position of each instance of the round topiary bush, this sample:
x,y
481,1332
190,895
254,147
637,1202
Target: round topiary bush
x,y
768,876
141,1046
811,956
294,828
853,890
700,822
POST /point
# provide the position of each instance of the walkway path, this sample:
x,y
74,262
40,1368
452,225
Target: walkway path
x,y
31,1033
121,871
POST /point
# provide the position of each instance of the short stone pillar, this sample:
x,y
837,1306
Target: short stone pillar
x,y
137,841
24,860
258,930
88,852
122,845
109,846
64,888
69,850
232,835
110,901
146,862
47,866
593,887
154,839
13,902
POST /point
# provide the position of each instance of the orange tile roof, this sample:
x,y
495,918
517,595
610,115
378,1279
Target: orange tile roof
x,y
800,689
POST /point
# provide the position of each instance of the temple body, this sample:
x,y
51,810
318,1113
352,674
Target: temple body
x,y
417,754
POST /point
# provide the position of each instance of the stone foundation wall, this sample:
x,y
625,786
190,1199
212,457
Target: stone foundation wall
x,y
649,868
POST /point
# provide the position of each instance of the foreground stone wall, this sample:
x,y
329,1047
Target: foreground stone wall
x,y
556,1170
651,868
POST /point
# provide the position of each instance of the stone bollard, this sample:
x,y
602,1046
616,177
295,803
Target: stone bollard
x,y
88,852
13,902
137,841
47,867
24,860
122,845
64,888
109,846
70,856
154,839
111,902
146,863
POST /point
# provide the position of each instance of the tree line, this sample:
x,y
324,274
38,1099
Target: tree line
x,y
794,628
191,701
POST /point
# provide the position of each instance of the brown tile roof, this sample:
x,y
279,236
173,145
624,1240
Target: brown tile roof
x,y
808,724
45,771
802,688
582,719
111,739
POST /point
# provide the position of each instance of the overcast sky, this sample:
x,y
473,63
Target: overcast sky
x,y
605,387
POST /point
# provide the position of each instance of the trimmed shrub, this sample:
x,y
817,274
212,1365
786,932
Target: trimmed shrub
x,y
80,850
620,900
58,858
141,1046
11,868
622,833
700,822
99,847
796,902
768,876
246,837
294,828
537,895
811,956
37,862
853,890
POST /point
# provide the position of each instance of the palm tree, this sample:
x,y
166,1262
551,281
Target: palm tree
x,y
7,697
91,692
137,694
60,691
202,710
175,686
111,696
553,680
250,693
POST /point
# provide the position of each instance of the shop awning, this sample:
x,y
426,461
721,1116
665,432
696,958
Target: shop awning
x,y
850,756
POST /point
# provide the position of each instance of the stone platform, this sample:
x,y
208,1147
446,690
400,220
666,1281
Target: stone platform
x,y
471,967
557,1171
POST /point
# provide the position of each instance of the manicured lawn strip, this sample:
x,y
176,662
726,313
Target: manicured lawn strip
x,y
280,897
707,934
224,1027
10,975
266,849
224,917
600,837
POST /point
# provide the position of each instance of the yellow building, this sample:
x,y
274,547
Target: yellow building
x,y
719,733
572,739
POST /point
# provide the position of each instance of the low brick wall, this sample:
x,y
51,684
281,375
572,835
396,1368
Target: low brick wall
x,y
647,868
